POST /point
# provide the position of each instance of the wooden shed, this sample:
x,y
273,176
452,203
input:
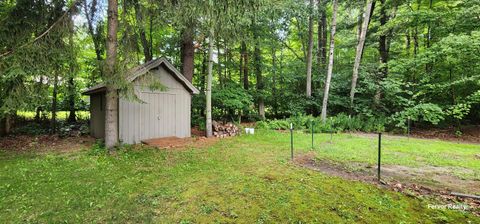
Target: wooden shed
x,y
156,114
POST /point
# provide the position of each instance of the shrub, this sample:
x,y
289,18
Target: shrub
x,y
338,123
427,112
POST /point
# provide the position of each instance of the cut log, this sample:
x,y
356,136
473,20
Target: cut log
x,y
222,130
477,197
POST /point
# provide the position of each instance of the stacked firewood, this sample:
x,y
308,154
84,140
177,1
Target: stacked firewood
x,y
222,130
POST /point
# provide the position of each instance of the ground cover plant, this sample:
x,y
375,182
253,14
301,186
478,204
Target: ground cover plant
x,y
247,179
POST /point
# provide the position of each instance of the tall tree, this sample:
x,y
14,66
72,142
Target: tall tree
x,y
111,104
71,91
53,121
244,64
322,34
330,61
310,50
147,52
257,61
360,46
95,31
187,51
208,122
383,50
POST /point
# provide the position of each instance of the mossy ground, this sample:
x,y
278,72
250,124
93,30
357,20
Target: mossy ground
x,y
248,179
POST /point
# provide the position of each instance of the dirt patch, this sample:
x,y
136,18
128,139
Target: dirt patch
x,y
175,142
417,182
331,168
44,143
439,178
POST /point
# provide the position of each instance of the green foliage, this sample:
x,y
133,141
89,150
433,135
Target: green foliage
x,y
433,58
32,128
428,112
338,123
458,111
231,97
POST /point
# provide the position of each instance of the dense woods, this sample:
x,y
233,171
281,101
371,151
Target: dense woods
x,y
386,60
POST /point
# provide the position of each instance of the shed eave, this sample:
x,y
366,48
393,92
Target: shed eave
x,y
96,89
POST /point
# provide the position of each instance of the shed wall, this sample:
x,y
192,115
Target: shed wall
x,y
163,113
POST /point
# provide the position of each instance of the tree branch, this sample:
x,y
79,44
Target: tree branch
x,y
44,33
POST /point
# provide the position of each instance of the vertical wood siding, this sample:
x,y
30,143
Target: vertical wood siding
x,y
163,113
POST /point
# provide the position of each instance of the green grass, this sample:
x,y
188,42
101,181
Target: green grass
x,y
396,150
247,179
61,115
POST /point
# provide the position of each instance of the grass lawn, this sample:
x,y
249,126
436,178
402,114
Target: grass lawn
x,y
460,159
247,179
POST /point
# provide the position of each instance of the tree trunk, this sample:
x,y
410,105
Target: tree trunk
x,y
227,62
361,15
147,53
187,52
5,125
221,79
257,60
204,70
274,82
310,51
322,36
39,109
383,50
96,37
429,65
72,116
209,84
53,121
360,46
330,61
111,106
71,81
407,43
244,69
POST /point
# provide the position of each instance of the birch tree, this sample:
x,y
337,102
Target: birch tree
x,y
208,93
330,61
360,47
310,50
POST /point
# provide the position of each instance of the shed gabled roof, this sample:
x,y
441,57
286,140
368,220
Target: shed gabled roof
x,y
143,69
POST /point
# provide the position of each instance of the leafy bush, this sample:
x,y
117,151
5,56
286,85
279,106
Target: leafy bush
x,y
31,128
198,121
427,112
232,97
338,123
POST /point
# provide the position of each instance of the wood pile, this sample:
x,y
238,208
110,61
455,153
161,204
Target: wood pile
x,y
222,130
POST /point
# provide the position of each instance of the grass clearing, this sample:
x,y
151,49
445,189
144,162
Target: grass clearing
x,y
463,160
247,179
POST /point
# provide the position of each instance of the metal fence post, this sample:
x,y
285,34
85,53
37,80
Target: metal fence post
x,y
379,154
311,123
408,127
291,140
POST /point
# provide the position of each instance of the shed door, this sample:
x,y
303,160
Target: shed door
x,y
159,115
153,119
